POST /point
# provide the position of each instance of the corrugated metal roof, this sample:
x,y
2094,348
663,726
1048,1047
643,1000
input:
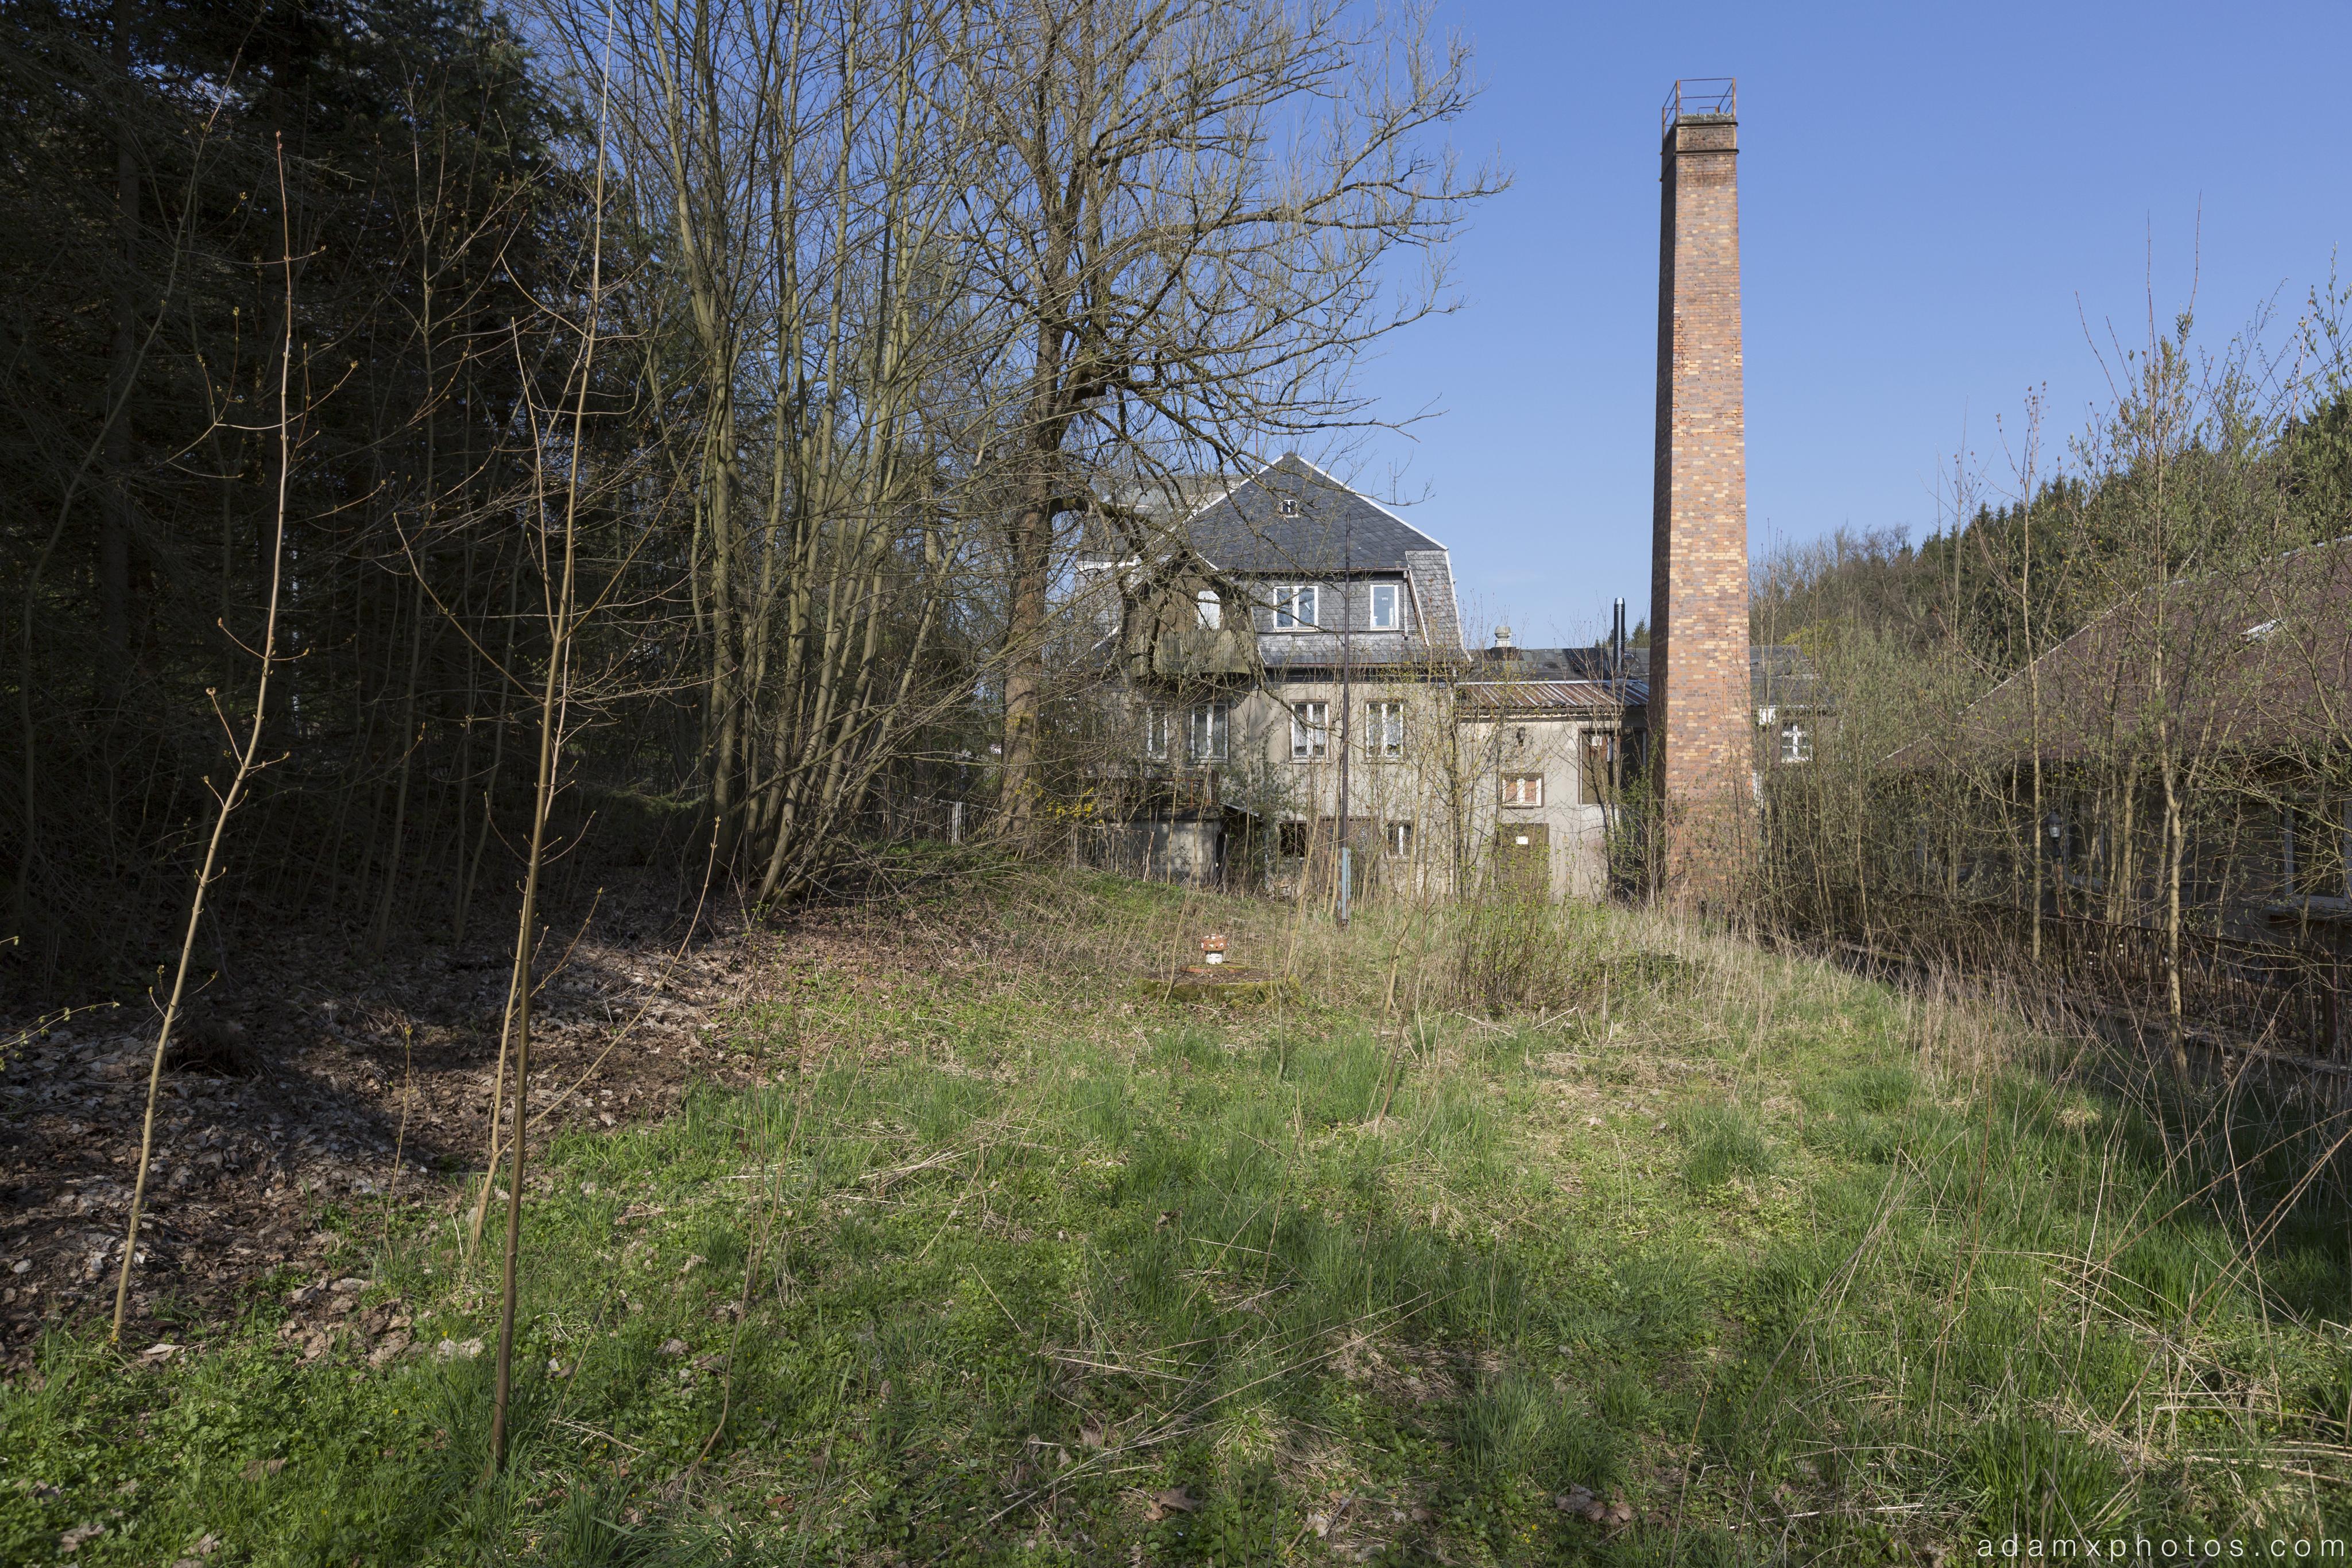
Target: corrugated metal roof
x,y
1550,696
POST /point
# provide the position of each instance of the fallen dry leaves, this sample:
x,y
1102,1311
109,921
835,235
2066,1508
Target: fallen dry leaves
x,y
316,1076
1175,1499
1582,1502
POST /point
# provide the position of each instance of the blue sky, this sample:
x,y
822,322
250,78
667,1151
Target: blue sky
x,y
1935,200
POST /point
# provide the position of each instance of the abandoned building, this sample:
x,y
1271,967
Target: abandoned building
x,y
2233,684
1295,660
1291,662
1299,684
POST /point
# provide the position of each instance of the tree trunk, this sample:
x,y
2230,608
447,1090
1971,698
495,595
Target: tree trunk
x,y
114,523
2175,844
1024,664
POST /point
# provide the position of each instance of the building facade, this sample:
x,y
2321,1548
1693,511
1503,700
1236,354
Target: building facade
x,y
1295,674
1560,733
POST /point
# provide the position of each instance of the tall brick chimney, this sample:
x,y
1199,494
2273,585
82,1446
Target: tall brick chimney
x,y
1699,740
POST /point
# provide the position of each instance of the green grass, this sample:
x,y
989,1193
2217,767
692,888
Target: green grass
x,y
1794,1266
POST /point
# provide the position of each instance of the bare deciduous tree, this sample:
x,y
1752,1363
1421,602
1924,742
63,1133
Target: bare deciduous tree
x,y
1186,213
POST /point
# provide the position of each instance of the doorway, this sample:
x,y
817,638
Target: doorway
x,y
1523,859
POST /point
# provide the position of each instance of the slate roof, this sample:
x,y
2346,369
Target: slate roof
x,y
1161,500
1440,627
1781,676
1559,664
1245,531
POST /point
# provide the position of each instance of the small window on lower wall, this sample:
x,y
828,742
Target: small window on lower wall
x,y
1522,789
1401,839
1290,840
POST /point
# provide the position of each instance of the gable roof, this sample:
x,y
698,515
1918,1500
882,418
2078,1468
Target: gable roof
x,y
1330,527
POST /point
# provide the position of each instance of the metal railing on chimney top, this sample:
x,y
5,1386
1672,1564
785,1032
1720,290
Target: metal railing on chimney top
x,y
1702,98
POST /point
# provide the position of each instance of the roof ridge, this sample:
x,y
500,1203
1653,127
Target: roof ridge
x,y
1326,474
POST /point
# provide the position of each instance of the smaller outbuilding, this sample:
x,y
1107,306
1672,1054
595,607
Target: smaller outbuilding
x,y
1559,732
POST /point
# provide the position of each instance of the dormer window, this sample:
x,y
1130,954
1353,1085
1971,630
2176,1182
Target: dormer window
x,y
1385,617
1293,607
1287,505
1212,610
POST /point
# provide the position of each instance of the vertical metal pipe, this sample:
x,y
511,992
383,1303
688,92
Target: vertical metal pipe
x,y
1347,696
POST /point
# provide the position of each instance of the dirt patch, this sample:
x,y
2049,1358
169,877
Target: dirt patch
x,y
333,1084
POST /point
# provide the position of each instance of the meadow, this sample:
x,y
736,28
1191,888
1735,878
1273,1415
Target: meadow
x,y
1510,1234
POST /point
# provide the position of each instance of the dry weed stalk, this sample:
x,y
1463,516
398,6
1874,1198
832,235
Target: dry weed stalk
x,y
248,762
564,619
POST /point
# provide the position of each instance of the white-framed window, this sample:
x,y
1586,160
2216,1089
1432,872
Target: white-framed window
x,y
1208,738
1385,734
1212,610
1400,839
1311,730
1796,742
2315,838
1522,788
1287,505
1155,734
1293,607
1386,613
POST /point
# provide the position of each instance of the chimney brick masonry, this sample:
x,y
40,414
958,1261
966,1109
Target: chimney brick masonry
x,y
1698,573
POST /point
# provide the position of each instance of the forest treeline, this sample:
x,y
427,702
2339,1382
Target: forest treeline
x,y
726,382
1968,587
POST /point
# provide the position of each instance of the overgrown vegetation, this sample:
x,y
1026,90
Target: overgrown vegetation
x,y
816,330
1017,1265
2097,733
